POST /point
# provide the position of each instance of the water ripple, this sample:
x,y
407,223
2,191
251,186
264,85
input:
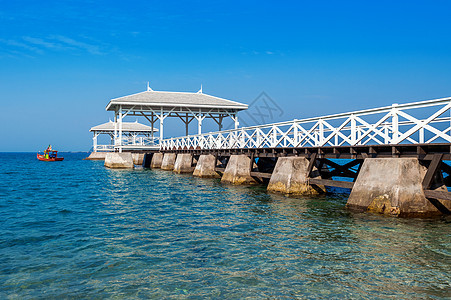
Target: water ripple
x,y
78,230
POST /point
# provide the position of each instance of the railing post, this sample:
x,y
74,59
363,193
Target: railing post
x,y
295,134
202,141
359,134
386,137
449,133
395,125
321,132
421,136
274,137
353,130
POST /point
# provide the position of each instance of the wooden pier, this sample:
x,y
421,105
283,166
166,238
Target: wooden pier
x,y
391,158
324,159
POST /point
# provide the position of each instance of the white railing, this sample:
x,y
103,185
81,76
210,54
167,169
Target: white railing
x,y
413,123
104,148
129,141
140,141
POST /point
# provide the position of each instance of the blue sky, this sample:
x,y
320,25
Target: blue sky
x,y
61,61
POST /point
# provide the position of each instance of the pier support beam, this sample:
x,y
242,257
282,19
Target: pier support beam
x,y
290,176
168,161
238,170
393,186
147,160
205,167
115,160
183,163
157,160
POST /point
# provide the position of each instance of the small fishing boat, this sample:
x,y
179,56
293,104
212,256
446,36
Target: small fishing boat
x,y
49,155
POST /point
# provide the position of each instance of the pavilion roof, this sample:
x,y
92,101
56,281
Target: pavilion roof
x,y
126,126
185,100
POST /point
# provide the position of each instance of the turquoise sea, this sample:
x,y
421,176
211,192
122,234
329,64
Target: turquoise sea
x,y
75,229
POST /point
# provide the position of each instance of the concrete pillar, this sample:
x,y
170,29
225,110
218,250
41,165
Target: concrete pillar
x,y
393,186
290,177
168,161
157,159
96,156
147,160
183,163
138,158
115,160
238,170
205,167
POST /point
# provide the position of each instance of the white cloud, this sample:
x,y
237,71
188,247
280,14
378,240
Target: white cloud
x,y
66,41
39,45
18,44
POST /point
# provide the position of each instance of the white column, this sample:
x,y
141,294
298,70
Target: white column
x,y
161,124
152,122
237,124
94,142
115,129
120,129
199,121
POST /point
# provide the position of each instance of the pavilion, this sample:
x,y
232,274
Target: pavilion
x,y
158,105
135,135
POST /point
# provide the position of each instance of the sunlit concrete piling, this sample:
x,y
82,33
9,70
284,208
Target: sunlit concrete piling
x,y
96,156
168,161
404,187
290,177
115,160
205,167
238,170
393,186
138,158
157,160
183,163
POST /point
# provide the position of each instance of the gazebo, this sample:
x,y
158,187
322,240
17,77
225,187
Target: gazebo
x,y
158,105
134,135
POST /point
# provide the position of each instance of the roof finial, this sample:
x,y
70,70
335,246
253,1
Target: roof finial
x,y
200,91
148,87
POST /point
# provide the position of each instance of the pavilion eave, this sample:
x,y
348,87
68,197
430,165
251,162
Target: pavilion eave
x,y
112,106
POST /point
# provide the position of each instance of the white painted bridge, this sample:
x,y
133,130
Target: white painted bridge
x,y
423,122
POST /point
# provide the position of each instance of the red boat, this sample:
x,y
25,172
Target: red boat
x,y
49,155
